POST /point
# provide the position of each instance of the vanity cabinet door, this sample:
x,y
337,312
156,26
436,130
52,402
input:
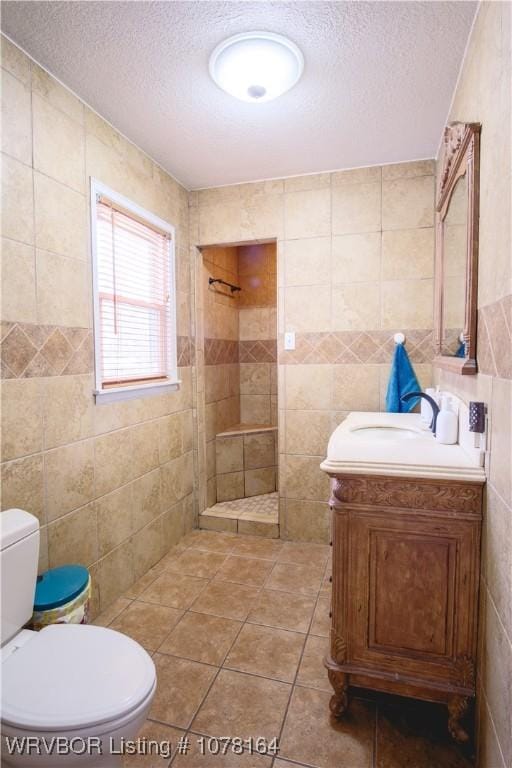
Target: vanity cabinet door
x,y
411,584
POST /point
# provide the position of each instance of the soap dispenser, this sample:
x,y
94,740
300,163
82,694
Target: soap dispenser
x,y
447,426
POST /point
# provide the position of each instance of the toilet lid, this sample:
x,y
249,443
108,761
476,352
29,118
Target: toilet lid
x,y
71,676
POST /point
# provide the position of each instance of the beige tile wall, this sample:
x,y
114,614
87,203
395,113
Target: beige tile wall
x,y
483,95
112,485
221,380
355,263
258,322
257,275
220,305
245,464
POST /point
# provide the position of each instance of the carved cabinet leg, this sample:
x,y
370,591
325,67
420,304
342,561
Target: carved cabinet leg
x,y
457,709
339,701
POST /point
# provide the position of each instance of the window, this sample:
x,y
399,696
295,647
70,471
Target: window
x,y
134,298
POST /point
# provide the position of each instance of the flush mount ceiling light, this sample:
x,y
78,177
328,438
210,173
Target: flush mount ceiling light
x,y
256,66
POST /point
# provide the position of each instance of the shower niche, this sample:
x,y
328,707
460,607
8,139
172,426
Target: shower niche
x,y
237,316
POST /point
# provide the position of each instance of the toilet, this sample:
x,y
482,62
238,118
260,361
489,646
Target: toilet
x,y
71,694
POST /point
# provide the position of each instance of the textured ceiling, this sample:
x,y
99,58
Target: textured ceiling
x,y
376,88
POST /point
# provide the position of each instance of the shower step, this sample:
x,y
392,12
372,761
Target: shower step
x,y
255,515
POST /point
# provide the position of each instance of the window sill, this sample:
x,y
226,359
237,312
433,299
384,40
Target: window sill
x,y
118,394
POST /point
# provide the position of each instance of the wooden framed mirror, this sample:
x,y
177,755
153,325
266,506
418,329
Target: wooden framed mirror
x,y
457,210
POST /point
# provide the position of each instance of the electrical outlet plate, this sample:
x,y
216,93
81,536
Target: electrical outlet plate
x,y
289,340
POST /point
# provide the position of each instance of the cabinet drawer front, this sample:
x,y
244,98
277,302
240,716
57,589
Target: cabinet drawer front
x,y
409,596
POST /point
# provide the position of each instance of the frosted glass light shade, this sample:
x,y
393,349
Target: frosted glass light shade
x,y
256,66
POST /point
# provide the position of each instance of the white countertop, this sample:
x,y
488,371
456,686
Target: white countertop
x,y
417,454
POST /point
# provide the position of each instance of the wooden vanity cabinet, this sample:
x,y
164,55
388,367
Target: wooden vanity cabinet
x,y
405,589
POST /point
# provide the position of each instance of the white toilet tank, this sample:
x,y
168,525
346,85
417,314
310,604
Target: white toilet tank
x,y
19,555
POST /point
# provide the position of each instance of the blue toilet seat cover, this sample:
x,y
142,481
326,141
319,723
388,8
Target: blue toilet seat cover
x,y
59,585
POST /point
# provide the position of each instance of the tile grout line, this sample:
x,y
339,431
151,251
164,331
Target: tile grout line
x,y
245,622
219,668
242,625
293,685
187,730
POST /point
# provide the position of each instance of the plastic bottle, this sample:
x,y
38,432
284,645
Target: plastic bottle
x,y
447,426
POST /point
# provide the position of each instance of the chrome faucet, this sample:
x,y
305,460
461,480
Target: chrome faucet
x,y
433,405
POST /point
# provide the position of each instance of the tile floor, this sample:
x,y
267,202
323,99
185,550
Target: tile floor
x,y
237,627
257,515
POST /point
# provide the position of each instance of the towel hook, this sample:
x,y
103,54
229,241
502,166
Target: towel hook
x,y
399,338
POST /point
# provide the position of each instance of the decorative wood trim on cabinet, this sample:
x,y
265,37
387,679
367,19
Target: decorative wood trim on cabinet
x,y
435,495
405,589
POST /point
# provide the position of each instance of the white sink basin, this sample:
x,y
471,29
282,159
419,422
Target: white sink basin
x,y
383,444
384,432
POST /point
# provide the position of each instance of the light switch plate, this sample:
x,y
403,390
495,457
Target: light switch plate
x,y
289,340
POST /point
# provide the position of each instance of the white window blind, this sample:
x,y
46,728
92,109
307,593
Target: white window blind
x,y
134,299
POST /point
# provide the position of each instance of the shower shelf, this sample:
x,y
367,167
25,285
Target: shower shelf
x,y
244,429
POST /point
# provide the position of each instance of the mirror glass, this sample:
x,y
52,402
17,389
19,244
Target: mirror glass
x,y
455,229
